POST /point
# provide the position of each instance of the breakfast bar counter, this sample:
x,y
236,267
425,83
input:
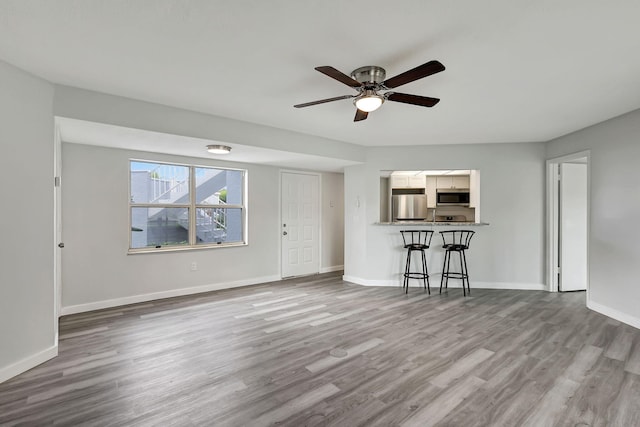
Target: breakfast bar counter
x,y
386,261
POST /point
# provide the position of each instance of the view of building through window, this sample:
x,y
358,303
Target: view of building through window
x,y
178,205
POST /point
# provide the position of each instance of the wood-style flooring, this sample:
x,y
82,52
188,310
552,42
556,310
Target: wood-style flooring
x,y
318,351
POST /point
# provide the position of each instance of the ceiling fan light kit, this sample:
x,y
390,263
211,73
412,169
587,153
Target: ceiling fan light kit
x,y
368,101
370,81
218,149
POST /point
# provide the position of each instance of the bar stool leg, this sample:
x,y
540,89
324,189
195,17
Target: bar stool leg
x,y
425,277
466,272
462,273
444,270
442,277
446,282
406,271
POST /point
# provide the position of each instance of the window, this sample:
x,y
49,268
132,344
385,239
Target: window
x,y
179,206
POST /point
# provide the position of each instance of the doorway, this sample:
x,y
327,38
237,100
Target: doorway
x,y
300,223
57,220
568,219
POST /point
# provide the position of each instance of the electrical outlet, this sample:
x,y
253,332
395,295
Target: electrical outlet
x,y
194,266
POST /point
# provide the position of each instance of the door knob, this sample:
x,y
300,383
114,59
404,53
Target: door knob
x,y
61,245
284,233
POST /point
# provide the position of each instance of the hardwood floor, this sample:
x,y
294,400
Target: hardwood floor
x,y
319,351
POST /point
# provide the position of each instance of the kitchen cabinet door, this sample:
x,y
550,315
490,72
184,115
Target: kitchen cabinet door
x,y
460,181
416,181
399,181
444,181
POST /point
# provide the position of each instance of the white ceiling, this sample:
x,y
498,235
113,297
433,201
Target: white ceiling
x,y
517,70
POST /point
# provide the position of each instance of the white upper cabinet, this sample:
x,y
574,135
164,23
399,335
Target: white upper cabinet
x,y
407,181
461,181
452,181
399,181
444,181
416,181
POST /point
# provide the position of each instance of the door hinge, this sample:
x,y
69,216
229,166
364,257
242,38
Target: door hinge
x,y
56,181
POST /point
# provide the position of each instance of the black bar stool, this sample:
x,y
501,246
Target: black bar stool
x,y
416,240
455,241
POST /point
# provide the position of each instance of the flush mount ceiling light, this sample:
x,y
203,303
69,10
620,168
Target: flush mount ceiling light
x,y
218,149
368,101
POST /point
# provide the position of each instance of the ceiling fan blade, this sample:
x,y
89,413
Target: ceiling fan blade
x,y
322,101
360,115
419,72
423,101
338,75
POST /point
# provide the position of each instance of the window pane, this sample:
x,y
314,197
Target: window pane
x,y
218,225
159,183
218,187
159,227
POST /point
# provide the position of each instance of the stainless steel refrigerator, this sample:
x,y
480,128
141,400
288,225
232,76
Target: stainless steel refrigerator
x,y
409,207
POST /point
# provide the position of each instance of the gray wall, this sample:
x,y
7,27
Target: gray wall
x,y
97,271
27,326
507,253
332,233
615,209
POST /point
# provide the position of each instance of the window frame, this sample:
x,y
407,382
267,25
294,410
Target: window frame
x,y
191,207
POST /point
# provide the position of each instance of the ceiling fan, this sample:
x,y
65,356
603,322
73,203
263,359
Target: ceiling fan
x,y
370,81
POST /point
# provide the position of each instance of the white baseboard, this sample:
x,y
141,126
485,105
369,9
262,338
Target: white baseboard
x,y
28,363
454,284
369,282
331,269
614,314
509,285
133,299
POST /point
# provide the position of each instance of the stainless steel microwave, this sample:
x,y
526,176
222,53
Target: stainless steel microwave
x,y
452,197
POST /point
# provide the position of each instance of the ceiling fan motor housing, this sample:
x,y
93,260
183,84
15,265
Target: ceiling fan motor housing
x,y
369,75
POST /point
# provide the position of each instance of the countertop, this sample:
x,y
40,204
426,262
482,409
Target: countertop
x,y
431,223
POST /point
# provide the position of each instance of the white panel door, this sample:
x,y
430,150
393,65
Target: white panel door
x,y
300,226
573,227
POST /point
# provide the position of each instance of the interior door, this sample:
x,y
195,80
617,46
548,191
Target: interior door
x,y
573,227
300,226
